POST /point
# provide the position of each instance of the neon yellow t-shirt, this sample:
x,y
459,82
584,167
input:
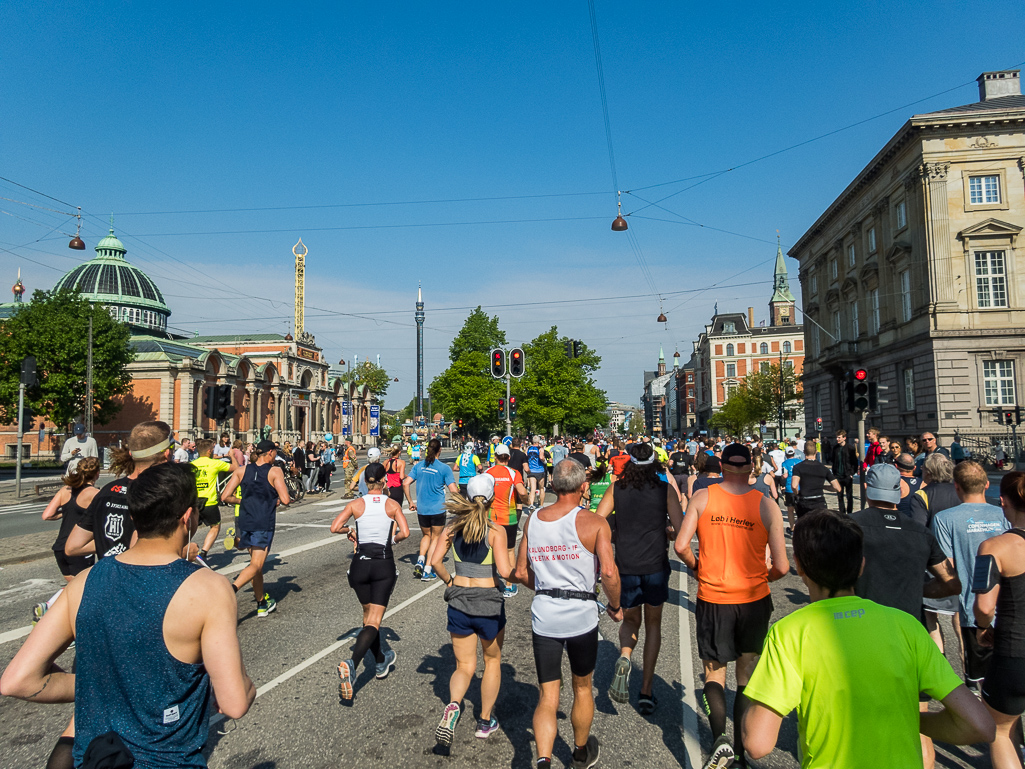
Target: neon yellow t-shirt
x,y
853,669
206,477
660,453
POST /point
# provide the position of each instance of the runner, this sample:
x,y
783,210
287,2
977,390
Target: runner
x,y
475,606
359,483
564,613
852,669
810,479
643,504
372,573
733,524
263,489
509,489
535,474
468,466
350,464
156,641
432,477
709,473
396,469
791,461
207,469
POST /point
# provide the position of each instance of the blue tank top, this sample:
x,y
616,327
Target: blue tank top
x,y
259,499
120,636
467,467
534,463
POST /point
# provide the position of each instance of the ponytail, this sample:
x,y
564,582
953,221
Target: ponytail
x,y
85,473
433,449
472,517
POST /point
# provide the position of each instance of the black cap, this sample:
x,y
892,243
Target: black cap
x,y
713,465
374,472
736,455
264,446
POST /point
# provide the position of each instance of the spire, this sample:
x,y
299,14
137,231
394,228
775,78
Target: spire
x,y
661,355
661,361
781,281
111,222
419,293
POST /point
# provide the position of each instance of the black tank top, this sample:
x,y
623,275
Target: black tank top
x,y
704,481
1010,620
256,511
641,518
71,514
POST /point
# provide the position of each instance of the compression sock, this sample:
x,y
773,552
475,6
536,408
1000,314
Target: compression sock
x,y
428,569
579,754
740,706
60,756
714,698
544,763
235,588
375,649
420,560
363,642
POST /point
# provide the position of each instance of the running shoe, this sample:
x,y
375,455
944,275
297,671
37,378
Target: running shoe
x,y
345,671
229,539
383,668
486,728
201,560
646,704
38,611
418,570
619,689
789,532
510,591
590,757
428,576
447,728
266,606
722,754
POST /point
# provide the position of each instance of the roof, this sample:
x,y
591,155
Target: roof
x,y
154,348
236,338
999,104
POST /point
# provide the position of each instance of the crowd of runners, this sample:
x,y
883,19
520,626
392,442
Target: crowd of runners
x,y
587,526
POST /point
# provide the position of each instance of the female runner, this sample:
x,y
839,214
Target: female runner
x,y
396,470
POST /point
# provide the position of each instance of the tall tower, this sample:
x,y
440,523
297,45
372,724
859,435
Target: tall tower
x,y
781,306
300,288
661,361
419,316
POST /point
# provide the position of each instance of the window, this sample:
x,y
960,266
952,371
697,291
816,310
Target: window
x,y
873,303
901,214
788,363
909,389
998,381
983,190
872,240
690,392
728,327
786,347
814,283
990,279
764,365
837,330
850,255
690,408
855,326
763,348
729,349
690,378
815,342
832,269
731,370
905,295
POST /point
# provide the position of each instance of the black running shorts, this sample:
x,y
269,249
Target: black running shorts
x,y
396,493
582,651
372,579
511,530
210,515
427,521
71,565
727,630
1004,686
976,658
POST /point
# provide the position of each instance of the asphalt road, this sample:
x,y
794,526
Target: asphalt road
x,y
298,720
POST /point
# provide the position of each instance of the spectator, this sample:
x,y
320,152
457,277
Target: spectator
x,y
929,446
845,465
874,449
957,452
223,448
909,483
181,454
76,448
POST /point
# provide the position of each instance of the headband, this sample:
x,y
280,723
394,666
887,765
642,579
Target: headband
x,y
647,461
143,453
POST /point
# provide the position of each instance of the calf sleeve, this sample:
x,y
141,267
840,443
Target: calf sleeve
x,y
364,641
60,756
714,699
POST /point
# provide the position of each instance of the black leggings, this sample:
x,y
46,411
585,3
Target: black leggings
x,y
372,579
582,651
1004,686
396,493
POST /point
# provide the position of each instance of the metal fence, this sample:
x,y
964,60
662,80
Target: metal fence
x,y
984,449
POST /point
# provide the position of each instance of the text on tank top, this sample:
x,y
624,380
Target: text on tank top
x,y
473,559
259,499
374,528
127,681
560,561
641,519
731,548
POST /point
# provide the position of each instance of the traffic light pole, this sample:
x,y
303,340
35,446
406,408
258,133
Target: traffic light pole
x,y
21,434
861,456
508,390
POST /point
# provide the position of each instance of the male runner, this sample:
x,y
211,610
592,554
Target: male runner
x,y
853,669
467,465
791,461
207,469
733,523
810,478
432,477
504,511
535,473
263,489
564,613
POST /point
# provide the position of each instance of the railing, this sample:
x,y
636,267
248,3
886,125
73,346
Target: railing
x,y
984,449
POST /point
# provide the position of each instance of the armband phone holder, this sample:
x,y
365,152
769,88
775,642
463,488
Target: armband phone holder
x,y
986,575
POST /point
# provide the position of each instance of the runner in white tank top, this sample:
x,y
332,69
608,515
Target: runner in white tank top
x,y
561,562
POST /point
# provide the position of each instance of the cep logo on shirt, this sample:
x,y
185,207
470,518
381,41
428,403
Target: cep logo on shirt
x,y
851,614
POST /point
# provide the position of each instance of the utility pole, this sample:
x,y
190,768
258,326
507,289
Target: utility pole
x,y
89,379
861,455
21,434
508,391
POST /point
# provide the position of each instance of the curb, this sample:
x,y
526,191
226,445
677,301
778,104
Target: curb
x,y
25,558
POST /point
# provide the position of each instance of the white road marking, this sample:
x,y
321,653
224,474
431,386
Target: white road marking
x,y
285,553
14,635
327,502
304,526
26,586
24,511
691,746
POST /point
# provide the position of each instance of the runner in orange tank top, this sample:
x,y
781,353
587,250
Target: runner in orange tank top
x,y
734,524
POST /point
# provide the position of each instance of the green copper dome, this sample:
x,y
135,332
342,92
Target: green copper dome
x,y
126,291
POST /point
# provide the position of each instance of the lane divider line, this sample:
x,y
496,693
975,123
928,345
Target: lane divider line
x,y
691,745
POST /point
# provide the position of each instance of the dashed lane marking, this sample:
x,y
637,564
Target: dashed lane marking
x,y
691,746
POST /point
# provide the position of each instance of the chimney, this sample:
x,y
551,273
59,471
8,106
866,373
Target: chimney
x,y
993,85
750,317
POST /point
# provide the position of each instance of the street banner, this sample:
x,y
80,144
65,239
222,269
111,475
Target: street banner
x,y
375,420
345,417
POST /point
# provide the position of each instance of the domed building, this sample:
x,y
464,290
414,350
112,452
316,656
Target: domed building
x,y
125,290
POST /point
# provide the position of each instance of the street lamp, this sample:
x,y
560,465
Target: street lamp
x,y
76,242
619,223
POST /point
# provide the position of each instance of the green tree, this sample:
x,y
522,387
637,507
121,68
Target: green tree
x,y
636,424
371,375
480,333
556,390
776,388
738,415
54,327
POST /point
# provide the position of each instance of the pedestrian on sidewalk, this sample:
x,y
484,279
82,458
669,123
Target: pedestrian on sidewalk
x,y
350,463
76,448
845,467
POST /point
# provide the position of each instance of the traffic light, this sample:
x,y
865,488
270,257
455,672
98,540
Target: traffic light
x,y
516,362
210,402
222,404
578,348
873,396
28,371
501,405
28,419
1007,418
859,393
567,345
818,423
512,407
498,363
460,424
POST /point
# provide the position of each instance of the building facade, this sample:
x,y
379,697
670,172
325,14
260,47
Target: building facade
x,y
912,273
653,400
619,415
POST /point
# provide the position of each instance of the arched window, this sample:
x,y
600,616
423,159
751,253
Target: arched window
x,y
763,348
729,349
786,347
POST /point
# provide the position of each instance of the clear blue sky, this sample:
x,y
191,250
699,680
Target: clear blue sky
x,y
143,108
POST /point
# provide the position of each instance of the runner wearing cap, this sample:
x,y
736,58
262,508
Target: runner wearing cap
x,y
263,489
360,484
709,473
733,523
432,477
467,465
791,461
372,573
509,489
475,606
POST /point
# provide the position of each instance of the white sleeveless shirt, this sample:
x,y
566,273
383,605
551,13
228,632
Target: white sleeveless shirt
x,y
375,525
560,561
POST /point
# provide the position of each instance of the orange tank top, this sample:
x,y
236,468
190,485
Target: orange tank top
x,y
731,548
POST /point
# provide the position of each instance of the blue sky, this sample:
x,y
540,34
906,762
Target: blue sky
x,y
343,120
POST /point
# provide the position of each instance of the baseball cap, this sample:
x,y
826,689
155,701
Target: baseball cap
x,y
790,452
501,450
736,455
79,428
373,454
713,465
264,446
882,484
375,472
482,485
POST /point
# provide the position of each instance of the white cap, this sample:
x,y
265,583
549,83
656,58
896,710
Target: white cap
x,y
502,450
373,454
482,485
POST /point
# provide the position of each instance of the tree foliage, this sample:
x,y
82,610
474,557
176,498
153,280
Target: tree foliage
x,y
370,374
480,333
54,327
759,397
556,390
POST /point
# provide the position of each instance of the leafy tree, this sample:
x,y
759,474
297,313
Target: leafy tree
x,y
775,388
479,333
636,424
556,390
369,374
54,327
738,415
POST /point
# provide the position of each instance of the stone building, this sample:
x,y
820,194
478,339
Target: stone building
x,y
653,401
912,274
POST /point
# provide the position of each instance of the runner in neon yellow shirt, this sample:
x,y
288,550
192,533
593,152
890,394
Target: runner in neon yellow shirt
x,y
207,470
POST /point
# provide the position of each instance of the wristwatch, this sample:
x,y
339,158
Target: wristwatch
x,y
612,609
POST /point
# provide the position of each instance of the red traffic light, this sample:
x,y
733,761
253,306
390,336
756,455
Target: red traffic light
x,y
512,400
861,374
516,354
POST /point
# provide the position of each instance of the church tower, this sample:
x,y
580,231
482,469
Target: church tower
x,y
781,306
661,361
